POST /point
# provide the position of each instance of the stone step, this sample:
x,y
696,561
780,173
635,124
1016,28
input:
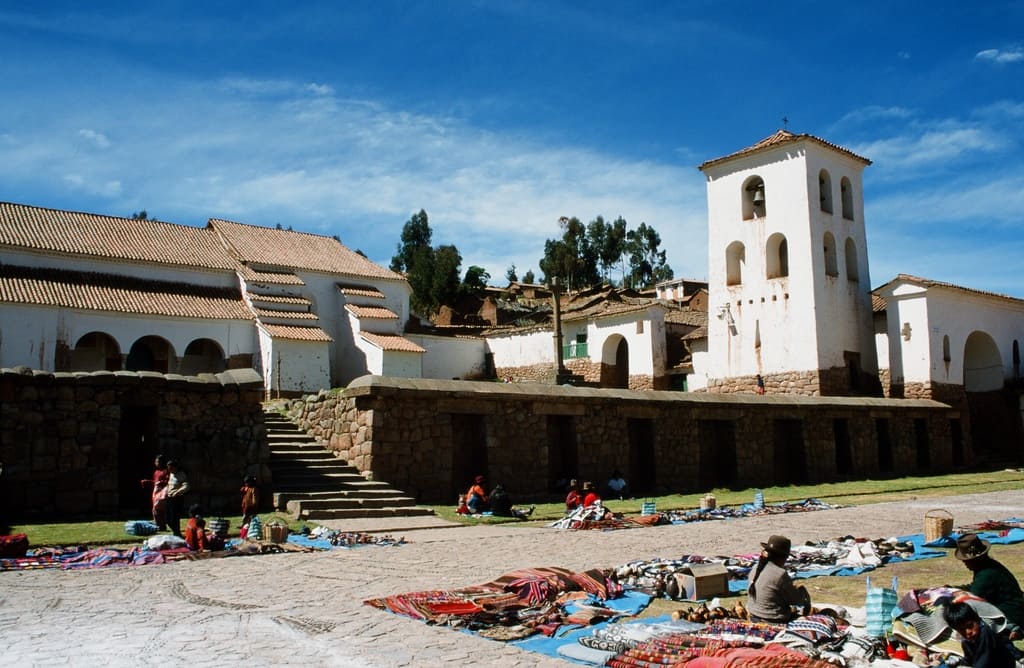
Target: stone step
x,y
310,482
342,503
356,513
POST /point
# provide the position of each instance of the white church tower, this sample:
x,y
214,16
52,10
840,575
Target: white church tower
x,y
789,288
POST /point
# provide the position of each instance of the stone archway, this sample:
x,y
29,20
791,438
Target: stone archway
x,y
615,362
983,367
96,351
151,353
202,356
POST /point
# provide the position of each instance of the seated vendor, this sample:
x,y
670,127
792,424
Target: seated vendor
x,y
992,581
771,593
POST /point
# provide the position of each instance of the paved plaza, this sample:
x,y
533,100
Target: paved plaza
x,y
306,608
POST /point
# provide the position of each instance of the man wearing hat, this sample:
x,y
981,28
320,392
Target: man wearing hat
x,y
992,581
771,593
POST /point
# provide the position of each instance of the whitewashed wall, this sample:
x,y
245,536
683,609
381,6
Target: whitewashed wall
x,y
448,357
512,350
401,364
806,320
29,334
936,312
305,365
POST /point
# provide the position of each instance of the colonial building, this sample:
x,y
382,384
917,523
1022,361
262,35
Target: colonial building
x,y
84,292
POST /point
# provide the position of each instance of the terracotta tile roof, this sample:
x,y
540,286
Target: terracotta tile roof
x,y
272,277
73,233
877,303
291,315
360,291
391,342
278,299
607,308
681,317
928,283
298,250
781,138
371,312
108,292
699,333
297,333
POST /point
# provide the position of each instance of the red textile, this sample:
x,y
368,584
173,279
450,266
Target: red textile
x,y
195,534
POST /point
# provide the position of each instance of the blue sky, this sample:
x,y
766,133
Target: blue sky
x,y
497,118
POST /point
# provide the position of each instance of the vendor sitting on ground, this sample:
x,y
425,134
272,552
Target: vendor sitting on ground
x,y
573,499
590,495
501,504
980,644
476,497
771,593
992,581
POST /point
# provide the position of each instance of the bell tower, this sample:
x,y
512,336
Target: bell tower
x,y
789,287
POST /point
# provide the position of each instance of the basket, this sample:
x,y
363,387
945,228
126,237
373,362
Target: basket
x,y
708,502
648,507
219,527
938,523
275,531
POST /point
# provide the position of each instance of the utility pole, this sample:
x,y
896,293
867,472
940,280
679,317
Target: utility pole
x,y
562,374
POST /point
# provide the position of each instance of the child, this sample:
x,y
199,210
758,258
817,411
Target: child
x,y
250,499
983,647
159,494
195,532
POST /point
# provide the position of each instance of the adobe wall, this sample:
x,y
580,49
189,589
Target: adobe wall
x,y
79,443
406,432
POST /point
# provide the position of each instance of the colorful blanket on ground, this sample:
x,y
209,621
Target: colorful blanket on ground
x,y
844,556
80,558
326,539
518,604
748,510
997,532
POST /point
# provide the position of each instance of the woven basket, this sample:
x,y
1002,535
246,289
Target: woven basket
x,y
938,523
708,502
275,531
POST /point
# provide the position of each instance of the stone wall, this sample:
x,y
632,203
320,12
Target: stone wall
x,y
409,432
79,443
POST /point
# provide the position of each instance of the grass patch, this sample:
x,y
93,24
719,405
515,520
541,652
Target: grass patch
x,y
842,493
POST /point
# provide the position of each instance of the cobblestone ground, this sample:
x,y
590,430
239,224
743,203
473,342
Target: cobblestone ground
x,y
307,608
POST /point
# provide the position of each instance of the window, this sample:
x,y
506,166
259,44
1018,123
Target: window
x,y
852,273
577,348
846,192
754,198
831,266
735,258
825,191
776,256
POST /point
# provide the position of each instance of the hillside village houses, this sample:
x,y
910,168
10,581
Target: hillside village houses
x,y
788,298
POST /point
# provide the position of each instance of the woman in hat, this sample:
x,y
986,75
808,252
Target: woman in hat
x,y
476,497
590,495
992,581
771,593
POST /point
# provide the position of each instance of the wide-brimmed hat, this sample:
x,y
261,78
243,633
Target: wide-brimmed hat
x,y
778,545
588,485
479,479
969,546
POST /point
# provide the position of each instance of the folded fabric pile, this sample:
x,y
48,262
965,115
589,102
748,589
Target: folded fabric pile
x,y
516,605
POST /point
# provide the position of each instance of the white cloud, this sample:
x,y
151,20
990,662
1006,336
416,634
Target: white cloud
x,y
999,56
320,89
919,149
97,139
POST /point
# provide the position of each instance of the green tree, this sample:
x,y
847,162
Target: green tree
x,y
475,280
445,284
510,274
571,259
414,257
143,215
647,262
528,277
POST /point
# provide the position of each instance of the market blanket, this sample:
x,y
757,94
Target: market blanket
x,y
517,604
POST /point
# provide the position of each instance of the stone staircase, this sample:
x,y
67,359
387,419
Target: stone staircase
x,y
311,483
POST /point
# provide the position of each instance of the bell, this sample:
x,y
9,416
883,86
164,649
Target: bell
x,y
758,199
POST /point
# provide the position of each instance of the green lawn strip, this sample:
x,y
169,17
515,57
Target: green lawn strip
x,y
93,532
